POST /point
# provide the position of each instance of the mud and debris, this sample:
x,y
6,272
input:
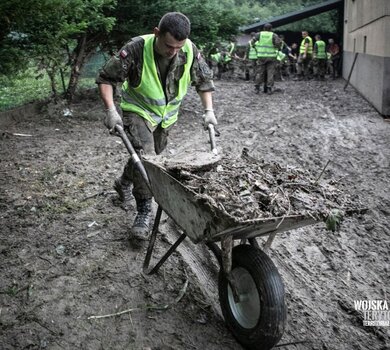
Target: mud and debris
x,y
64,248
247,188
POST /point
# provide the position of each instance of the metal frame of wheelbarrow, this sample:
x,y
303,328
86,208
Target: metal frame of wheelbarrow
x,y
255,318
139,166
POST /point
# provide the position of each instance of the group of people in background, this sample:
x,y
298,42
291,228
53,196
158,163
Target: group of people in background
x,y
268,57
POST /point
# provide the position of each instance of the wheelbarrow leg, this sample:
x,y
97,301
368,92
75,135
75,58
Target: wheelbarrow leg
x,y
216,251
152,241
227,246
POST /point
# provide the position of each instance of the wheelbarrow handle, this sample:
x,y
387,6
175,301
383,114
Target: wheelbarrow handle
x,y
212,139
134,156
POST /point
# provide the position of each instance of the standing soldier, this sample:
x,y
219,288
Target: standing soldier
x,y
267,45
334,50
319,58
292,57
305,55
217,63
157,70
251,56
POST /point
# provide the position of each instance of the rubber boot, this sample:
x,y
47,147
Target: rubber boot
x,y
124,191
140,228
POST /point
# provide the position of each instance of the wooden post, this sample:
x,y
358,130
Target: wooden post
x,y
350,72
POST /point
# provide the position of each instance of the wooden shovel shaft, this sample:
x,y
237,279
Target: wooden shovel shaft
x,y
134,156
212,139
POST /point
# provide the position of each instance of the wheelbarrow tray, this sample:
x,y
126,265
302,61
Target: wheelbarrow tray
x,y
202,221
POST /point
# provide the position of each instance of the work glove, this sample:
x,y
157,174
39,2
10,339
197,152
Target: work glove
x,y
112,118
209,118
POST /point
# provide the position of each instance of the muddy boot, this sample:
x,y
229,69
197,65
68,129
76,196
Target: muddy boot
x,y
140,228
270,90
124,192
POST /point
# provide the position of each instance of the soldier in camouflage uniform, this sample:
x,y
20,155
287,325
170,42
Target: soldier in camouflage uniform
x,y
156,70
320,58
267,45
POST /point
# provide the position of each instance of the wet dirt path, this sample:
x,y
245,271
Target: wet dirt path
x,y
64,249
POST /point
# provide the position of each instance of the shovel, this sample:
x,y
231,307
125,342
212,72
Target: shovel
x,y
212,133
134,156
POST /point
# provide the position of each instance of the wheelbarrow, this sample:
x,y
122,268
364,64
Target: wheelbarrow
x,y
251,290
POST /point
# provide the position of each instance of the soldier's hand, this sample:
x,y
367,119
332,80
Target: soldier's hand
x,y
209,118
112,118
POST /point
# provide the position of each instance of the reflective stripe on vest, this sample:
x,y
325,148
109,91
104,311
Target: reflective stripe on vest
x,y
264,46
252,55
280,56
309,48
321,53
216,57
226,58
148,98
232,47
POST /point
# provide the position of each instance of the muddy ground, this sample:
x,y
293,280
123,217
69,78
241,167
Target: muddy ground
x,y
64,249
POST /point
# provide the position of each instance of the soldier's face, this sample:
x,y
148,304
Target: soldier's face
x,y
166,45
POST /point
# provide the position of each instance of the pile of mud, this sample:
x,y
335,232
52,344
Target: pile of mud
x,y
247,188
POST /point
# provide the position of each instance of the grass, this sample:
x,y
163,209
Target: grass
x,y
29,86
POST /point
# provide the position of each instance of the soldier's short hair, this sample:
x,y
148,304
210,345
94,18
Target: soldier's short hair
x,y
177,24
267,26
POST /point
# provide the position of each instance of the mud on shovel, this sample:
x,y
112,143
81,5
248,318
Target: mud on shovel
x,y
134,156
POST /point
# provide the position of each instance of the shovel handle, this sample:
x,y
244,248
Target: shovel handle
x,y
134,156
212,138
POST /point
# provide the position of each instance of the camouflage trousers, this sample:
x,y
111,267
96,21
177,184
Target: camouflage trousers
x,y
303,65
319,67
145,140
265,68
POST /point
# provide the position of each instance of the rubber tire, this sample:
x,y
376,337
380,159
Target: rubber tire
x,y
269,285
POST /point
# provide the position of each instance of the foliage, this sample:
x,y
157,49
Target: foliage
x,y
56,33
211,20
22,88
256,11
30,85
64,34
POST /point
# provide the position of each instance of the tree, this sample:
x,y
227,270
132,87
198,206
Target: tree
x,y
211,20
58,33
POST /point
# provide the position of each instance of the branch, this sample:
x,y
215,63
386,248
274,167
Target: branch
x,y
147,307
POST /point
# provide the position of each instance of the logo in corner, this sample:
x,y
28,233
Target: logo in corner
x,y
375,312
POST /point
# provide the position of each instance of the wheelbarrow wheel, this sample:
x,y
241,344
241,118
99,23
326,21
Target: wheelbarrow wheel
x,y
257,320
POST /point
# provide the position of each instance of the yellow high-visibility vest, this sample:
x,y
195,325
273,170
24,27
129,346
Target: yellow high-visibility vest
x,y
309,48
321,51
148,99
264,46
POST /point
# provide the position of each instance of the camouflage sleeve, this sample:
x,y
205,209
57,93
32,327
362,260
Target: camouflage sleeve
x,y
256,38
122,65
276,41
315,48
201,74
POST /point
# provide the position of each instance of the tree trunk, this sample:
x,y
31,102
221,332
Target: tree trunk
x,y
51,72
77,63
